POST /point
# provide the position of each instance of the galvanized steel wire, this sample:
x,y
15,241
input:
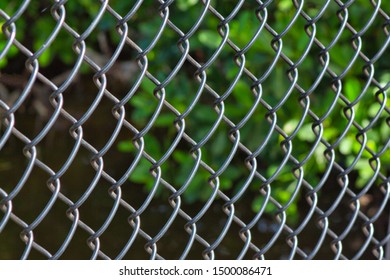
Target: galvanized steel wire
x,y
357,219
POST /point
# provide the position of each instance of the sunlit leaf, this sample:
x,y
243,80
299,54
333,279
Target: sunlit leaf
x,y
186,4
210,38
126,146
352,88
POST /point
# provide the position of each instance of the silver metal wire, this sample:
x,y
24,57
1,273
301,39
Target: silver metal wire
x,y
340,226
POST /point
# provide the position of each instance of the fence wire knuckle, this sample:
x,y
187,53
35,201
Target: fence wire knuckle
x,y
194,130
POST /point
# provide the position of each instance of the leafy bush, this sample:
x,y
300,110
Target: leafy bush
x,y
37,22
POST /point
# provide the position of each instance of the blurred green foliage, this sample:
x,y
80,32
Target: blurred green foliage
x,y
37,23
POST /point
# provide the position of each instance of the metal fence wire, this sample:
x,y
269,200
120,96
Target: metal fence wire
x,y
194,129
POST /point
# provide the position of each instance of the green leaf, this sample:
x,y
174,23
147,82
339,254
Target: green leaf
x,y
220,143
374,109
225,184
209,38
184,5
164,120
385,79
292,214
285,5
258,203
384,131
330,133
198,190
45,58
147,85
365,173
152,146
3,62
320,157
126,146
185,166
352,89
244,95
141,173
180,156
346,145
271,170
290,126
372,145
306,133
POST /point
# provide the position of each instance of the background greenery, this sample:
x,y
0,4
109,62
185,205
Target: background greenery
x,y
37,23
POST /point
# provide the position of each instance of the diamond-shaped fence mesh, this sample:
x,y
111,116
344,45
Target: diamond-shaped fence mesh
x,y
194,129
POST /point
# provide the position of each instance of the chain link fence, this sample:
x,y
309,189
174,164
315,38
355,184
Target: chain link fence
x,y
194,129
